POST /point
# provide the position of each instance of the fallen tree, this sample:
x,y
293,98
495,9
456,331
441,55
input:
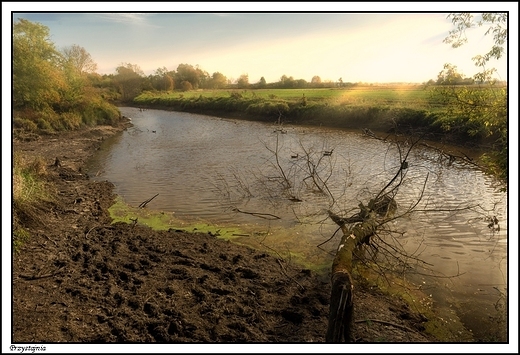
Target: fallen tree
x,y
357,231
341,300
369,232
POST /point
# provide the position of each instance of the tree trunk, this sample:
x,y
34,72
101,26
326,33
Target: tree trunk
x,y
341,300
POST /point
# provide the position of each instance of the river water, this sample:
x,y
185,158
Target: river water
x,y
261,177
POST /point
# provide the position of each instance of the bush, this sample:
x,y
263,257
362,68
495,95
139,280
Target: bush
x,y
71,120
186,86
43,125
25,124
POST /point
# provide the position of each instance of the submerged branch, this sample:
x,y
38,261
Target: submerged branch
x,y
144,203
257,214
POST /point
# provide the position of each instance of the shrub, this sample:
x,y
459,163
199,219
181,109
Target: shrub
x,y
186,86
25,124
43,125
71,120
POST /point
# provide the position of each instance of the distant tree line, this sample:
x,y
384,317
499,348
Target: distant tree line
x,y
450,76
129,80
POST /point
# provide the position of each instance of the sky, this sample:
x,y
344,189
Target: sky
x,y
373,47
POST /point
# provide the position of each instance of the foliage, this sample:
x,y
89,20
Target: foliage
x,y
186,86
129,79
481,110
162,80
29,191
79,59
53,90
190,74
37,80
243,81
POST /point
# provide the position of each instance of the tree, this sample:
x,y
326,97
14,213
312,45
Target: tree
x,y
316,81
243,81
162,80
186,72
79,59
186,86
204,78
497,25
449,76
262,83
129,78
218,81
483,107
37,78
78,67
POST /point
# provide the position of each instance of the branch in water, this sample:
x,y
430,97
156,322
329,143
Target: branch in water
x,y
256,214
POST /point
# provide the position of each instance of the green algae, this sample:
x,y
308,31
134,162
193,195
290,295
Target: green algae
x,y
280,242
159,220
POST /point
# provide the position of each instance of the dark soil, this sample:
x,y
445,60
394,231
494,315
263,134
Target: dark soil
x,y
80,278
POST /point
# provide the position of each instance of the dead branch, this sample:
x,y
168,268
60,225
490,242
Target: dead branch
x,y
290,278
144,203
257,214
37,277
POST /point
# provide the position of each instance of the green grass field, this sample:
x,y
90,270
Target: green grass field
x,y
417,96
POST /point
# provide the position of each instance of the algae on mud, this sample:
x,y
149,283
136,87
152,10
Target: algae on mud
x,y
158,220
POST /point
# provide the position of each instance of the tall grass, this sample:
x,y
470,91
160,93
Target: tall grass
x,y
29,194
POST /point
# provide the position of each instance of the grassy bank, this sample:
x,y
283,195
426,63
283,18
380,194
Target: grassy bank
x,y
408,109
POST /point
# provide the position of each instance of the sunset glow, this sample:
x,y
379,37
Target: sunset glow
x,y
357,47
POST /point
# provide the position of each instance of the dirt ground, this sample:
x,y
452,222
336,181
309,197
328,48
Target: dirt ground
x,y
81,279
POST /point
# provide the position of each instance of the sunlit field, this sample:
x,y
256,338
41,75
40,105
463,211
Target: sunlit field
x,y
417,96
359,95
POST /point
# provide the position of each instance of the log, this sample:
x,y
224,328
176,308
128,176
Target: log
x,y
341,299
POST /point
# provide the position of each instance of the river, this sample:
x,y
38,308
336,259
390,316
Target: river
x,y
231,172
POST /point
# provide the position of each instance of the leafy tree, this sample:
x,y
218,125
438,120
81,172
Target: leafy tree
x,y
481,108
204,78
218,81
186,72
162,80
186,86
243,81
78,68
300,83
129,79
449,76
316,80
79,59
262,83
37,78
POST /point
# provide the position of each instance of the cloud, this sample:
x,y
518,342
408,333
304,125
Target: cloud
x,y
126,18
